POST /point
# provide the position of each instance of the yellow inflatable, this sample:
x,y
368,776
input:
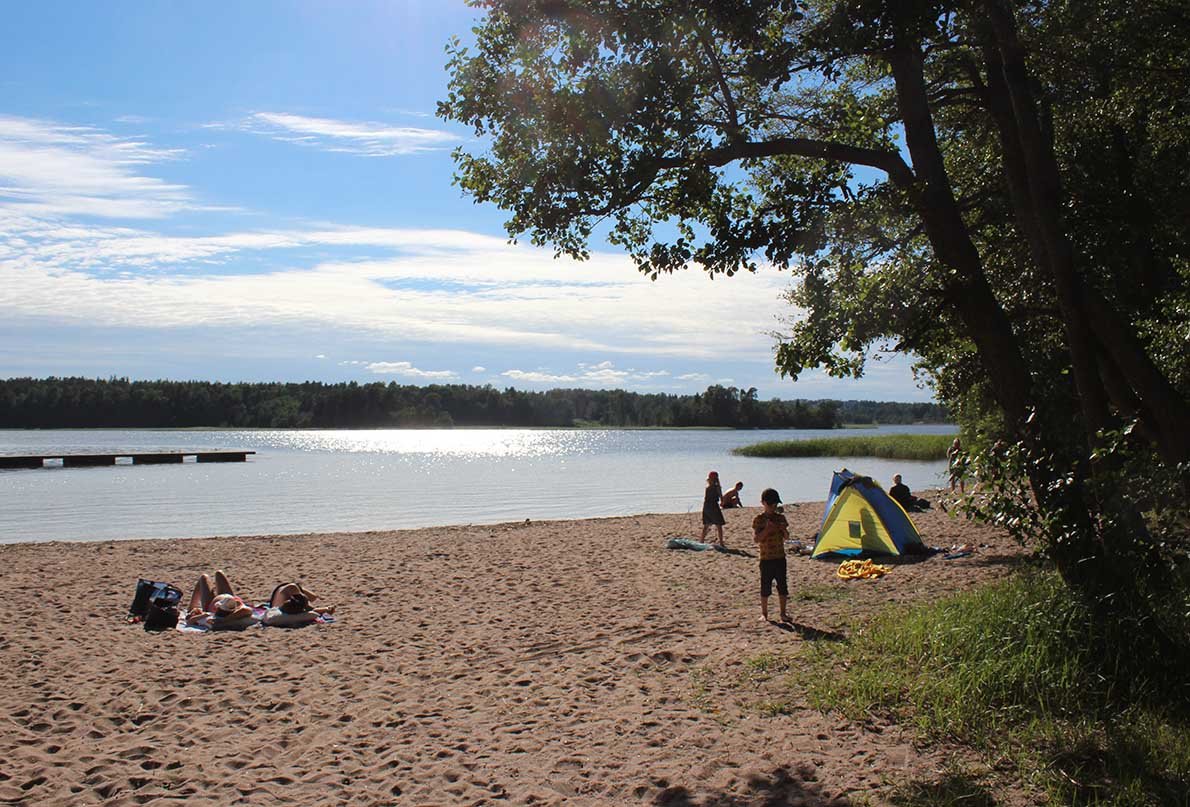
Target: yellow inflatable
x,y
857,569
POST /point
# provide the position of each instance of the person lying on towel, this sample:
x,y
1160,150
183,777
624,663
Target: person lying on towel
x,y
291,604
214,601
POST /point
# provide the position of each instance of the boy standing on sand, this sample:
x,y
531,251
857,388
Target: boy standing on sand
x,y
770,531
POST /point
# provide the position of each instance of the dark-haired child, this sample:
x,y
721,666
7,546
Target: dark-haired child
x,y
770,530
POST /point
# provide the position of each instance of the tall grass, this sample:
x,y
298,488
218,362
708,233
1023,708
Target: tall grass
x,y
1020,670
887,446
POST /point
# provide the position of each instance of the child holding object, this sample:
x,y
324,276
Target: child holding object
x,y
712,513
770,531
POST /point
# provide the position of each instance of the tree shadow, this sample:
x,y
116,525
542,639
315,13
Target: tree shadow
x,y
786,785
808,633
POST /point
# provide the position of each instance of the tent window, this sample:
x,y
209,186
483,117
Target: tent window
x,y
854,530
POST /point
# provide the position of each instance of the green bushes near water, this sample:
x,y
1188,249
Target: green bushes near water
x,y
887,446
1019,672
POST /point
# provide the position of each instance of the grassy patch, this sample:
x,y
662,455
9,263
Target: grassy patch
x,y
775,707
821,593
886,446
701,680
1018,671
767,664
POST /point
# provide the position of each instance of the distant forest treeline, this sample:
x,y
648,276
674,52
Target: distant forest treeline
x,y
82,403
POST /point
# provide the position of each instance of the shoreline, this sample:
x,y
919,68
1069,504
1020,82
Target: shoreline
x,y
553,662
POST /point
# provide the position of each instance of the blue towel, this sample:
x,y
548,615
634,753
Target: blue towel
x,y
687,543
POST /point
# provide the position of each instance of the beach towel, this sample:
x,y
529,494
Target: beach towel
x,y
276,618
257,620
209,623
687,543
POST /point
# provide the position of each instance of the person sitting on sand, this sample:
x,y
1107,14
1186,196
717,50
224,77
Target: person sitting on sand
x,y
732,497
771,530
712,514
215,600
899,493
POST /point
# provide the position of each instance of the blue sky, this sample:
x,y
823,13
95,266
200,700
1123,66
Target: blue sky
x,y
260,191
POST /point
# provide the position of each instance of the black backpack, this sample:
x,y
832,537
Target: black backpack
x,y
149,592
162,614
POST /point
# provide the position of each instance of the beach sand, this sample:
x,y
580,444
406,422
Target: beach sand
x,y
575,662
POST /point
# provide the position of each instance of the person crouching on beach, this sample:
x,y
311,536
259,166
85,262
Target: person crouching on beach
x,y
732,497
771,530
712,513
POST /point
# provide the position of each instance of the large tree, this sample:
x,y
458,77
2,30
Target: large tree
x,y
998,187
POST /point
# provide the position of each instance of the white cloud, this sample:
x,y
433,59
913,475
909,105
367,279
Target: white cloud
x,y
603,374
428,286
694,377
479,369
51,169
405,369
320,356
539,377
362,138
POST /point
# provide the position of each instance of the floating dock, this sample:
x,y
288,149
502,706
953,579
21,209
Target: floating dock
x,y
136,458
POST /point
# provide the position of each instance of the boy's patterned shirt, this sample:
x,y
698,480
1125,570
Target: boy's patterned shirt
x,y
772,545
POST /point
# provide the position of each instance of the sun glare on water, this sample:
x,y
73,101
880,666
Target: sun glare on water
x,y
461,443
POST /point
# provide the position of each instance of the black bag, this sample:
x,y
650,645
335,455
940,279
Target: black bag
x,y
162,614
147,591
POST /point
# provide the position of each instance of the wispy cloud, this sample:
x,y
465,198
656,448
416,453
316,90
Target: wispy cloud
x,y
53,169
603,374
436,286
363,138
406,369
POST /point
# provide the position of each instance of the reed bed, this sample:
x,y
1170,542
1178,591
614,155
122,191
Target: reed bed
x,y
885,446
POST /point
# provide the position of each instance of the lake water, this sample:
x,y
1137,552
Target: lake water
x,y
350,480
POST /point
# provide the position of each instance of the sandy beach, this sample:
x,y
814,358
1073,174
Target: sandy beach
x,y
576,662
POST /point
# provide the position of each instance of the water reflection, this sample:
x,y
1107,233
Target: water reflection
x,y
462,443
324,480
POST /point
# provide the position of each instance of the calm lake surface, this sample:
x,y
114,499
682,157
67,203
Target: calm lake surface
x,y
323,480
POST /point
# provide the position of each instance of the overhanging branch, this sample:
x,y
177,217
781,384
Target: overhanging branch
x,y
887,161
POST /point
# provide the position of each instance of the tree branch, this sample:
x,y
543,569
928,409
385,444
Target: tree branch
x,y
887,161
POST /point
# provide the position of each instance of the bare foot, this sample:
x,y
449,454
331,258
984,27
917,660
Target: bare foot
x,y
785,618
764,617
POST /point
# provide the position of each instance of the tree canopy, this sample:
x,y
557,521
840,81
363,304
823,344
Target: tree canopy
x,y
996,186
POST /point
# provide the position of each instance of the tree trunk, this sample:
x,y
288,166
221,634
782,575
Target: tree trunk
x,y
967,288
1074,551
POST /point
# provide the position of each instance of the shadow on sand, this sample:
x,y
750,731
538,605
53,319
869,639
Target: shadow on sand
x,y
808,633
795,785
784,786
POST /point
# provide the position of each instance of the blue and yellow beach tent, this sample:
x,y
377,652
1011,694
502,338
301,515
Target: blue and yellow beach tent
x,y
862,518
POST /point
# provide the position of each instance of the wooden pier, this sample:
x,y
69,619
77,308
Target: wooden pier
x,y
136,458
